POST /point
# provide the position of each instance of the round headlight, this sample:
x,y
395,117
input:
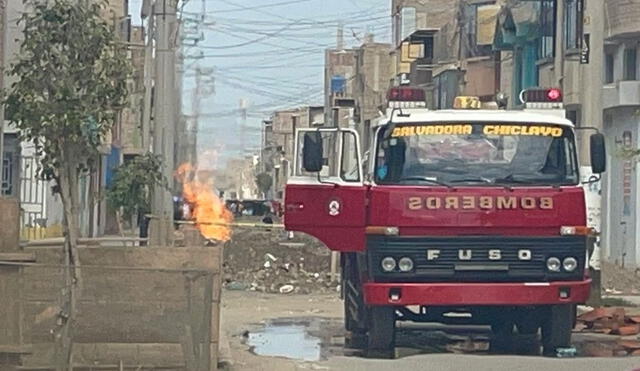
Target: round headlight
x,y
553,264
405,264
570,264
388,264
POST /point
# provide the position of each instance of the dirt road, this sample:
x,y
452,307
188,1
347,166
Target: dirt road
x,y
310,327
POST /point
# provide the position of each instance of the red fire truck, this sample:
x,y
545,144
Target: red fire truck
x,y
454,216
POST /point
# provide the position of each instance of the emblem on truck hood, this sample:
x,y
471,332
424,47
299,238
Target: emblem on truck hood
x,y
416,203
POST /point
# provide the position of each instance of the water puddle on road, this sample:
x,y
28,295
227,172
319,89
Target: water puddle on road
x,y
307,339
315,339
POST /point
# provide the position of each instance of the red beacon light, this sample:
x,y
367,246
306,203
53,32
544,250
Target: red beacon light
x,y
402,97
541,98
554,94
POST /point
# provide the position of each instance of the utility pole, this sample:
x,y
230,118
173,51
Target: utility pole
x,y
204,88
147,10
192,127
3,27
243,124
593,46
164,116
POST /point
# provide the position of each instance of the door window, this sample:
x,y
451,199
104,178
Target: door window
x,y
341,162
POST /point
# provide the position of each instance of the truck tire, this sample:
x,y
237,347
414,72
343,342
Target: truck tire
x,y
354,308
502,336
355,314
556,328
382,332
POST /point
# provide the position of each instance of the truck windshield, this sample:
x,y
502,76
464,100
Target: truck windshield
x,y
452,154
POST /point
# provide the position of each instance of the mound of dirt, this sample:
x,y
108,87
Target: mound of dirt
x,y
267,261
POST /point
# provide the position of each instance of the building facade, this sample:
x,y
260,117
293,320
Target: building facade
x,y
339,86
621,120
446,48
278,142
41,209
372,81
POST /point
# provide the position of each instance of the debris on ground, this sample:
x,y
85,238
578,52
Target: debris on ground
x,y
612,321
271,262
618,281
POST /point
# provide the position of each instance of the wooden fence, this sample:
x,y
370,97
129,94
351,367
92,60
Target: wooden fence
x,y
138,307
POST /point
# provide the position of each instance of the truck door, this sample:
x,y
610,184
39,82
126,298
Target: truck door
x,y
325,195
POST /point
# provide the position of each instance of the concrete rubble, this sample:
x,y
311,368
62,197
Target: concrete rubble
x,y
270,262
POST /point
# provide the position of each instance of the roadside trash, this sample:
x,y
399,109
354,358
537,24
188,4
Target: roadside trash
x,y
286,289
236,286
270,257
566,352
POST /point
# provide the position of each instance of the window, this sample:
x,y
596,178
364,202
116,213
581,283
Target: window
x,y
573,15
404,23
473,49
476,154
630,64
573,115
7,174
608,68
350,168
548,29
340,156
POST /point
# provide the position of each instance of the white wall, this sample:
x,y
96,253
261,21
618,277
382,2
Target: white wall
x,y
622,238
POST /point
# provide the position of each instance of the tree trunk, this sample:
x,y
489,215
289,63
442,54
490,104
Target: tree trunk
x,y
120,223
68,184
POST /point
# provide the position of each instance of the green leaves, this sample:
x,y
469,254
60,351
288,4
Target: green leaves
x,y
72,81
132,184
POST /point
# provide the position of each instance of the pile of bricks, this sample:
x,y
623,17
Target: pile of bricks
x,y
612,321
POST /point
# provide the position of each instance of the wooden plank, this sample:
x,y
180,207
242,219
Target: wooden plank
x,y
17,257
99,285
10,332
206,358
10,222
16,349
148,354
119,322
206,258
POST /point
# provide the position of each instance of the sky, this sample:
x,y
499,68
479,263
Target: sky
x,y
269,53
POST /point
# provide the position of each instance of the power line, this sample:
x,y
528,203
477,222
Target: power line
x,y
232,33
272,5
311,21
235,68
249,42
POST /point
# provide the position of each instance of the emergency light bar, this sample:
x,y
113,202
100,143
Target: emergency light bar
x,y
541,98
465,102
406,98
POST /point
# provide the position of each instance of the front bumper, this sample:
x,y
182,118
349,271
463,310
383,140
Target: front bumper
x,y
468,294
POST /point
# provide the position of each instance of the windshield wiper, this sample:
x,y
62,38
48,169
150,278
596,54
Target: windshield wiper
x,y
425,179
511,178
472,180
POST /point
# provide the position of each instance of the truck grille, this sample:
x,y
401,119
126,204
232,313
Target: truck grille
x,y
448,267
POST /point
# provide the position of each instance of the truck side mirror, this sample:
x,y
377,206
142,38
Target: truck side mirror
x,y
598,154
312,156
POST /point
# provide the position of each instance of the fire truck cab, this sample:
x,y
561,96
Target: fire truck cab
x,y
462,216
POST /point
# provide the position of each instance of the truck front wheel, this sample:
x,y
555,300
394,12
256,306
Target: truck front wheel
x,y
556,328
355,321
382,332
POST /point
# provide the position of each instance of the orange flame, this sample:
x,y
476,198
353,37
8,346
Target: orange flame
x,y
207,209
